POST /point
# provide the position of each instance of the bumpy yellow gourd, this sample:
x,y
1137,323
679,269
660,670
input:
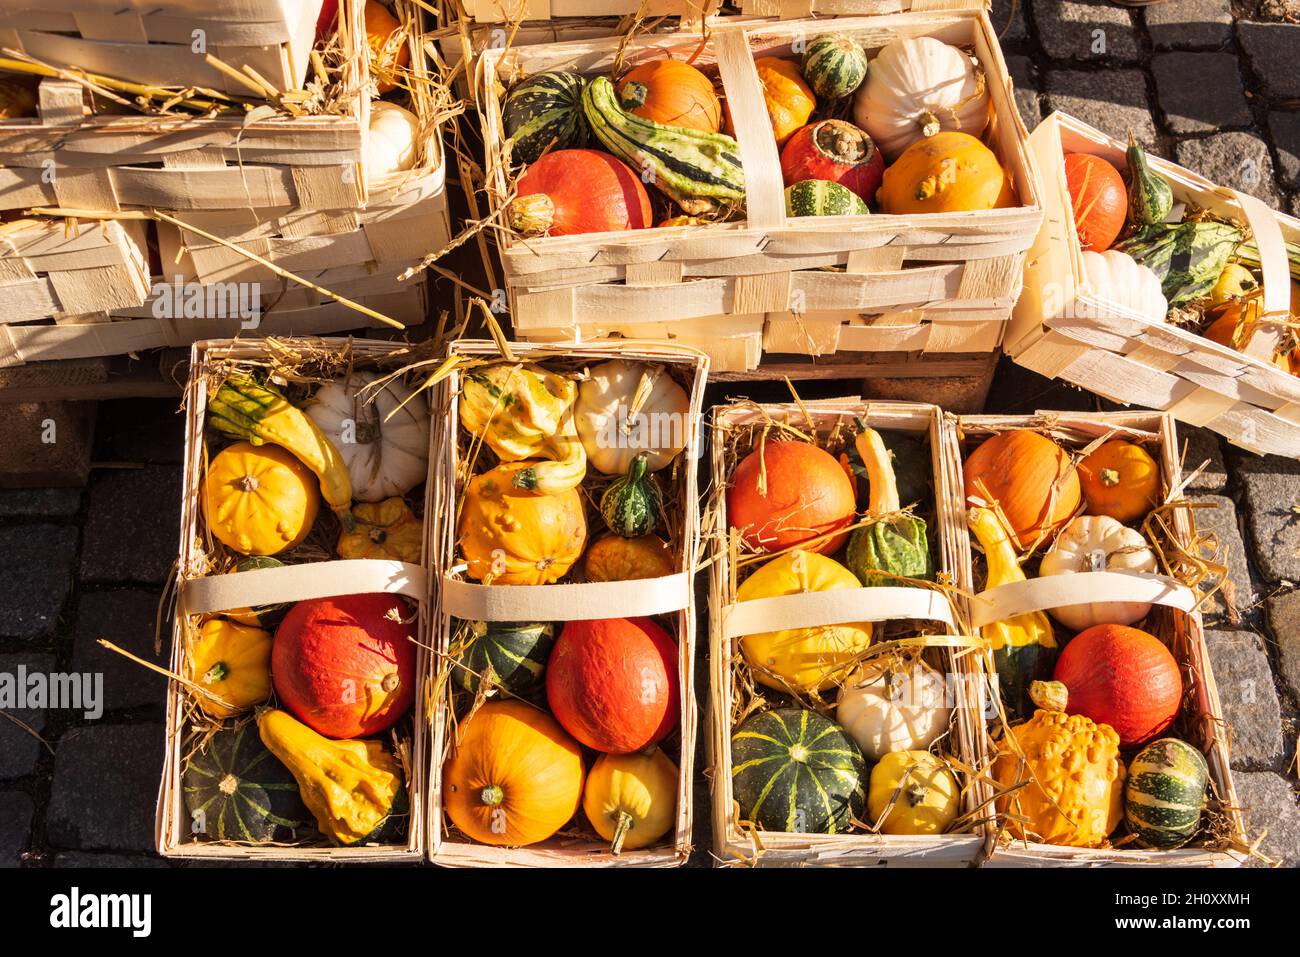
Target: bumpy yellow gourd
x,y
231,661
384,530
1076,780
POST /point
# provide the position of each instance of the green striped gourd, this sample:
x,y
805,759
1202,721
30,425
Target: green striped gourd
x,y
259,616
1150,199
631,503
819,197
544,113
1165,793
514,653
699,171
237,790
834,64
1187,258
793,770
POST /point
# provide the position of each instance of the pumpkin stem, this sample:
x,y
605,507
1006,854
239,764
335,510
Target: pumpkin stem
x,y
532,215
217,672
390,682
623,824
632,95
247,483
1049,695
930,124
636,471
915,794
229,785
1109,477
378,536
842,142
492,795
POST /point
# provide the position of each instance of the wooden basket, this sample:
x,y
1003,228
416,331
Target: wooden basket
x,y
199,594
938,283
672,596
735,844
1201,721
1063,329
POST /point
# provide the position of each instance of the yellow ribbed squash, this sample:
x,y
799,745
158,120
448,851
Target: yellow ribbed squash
x,y
927,793
231,661
259,501
945,173
385,530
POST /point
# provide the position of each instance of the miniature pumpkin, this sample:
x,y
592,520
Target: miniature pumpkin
x,y
1075,780
385,530
517,537
236,790
1150,198
259,501
1165,795
896,543
1235,282
806,659
786,493
631,503
388,50
575,191
1097,198
1119,479
834,64
893,705
351,787
837,152
631,799
261,616
923,791
1030,480
790,101
625,408
390,142
1120,279
945,173
511,654
1098,543
672,93
231,661
514,778
616,559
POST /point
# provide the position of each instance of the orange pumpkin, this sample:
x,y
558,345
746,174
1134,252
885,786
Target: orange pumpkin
x,y
1098,198
945,173
786,493
1121,480
790,101
1029,477
515,778
673,93
519,537
388,50
617,559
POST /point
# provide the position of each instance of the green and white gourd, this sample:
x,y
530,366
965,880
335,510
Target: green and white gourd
x,y
895,546
820,197
631,503
511,654
1150,198
834,65
544,113
1164,797
1187,258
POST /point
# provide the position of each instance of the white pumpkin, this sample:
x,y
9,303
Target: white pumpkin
x,y
1098,543
1121,279
386,448
390,145
918,87
625,408
885,708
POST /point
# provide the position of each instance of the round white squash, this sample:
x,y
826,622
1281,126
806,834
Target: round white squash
x,y
885,709
1098,543
390,146
617,416
386,448
1121,279
917,87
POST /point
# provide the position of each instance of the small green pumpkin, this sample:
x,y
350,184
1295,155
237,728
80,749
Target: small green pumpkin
x,y
261,616
834,64
820,197
514,653
896,543
1165,794
1150,199
544,113
631,503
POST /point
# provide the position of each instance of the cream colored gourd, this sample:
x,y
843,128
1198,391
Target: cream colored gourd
x,y
917,87
1098,543
390,141
893,706
384,442
1119,278
628,407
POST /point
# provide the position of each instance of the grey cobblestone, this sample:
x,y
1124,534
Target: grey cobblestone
x,y
105,785
1113,101
1271,50
1271,805
16,811
1221,521
19,750
1214,100
1189,23
1085,30
35,577
1284,624
140,430
1285,128
126,618
1239,160
1008,18
1249,699
39,502
145,501
1272,489
1199,446
1026,90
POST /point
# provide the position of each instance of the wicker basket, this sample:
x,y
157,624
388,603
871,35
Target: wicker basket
x,y
671,597
735,844
198,593
1063,329
939,283
1175,619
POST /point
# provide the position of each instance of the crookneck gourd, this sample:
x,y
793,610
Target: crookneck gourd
x,y
631,503
895,544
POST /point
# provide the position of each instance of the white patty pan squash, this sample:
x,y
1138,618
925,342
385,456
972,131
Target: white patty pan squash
x,y
390,141
1098,543
887,707
386,448
1121,279
625,408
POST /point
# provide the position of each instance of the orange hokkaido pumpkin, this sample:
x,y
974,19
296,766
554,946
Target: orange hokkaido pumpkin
x,y
1121,480
790,101
945,173
1029,477
1098,198
515,778
672,93
786,493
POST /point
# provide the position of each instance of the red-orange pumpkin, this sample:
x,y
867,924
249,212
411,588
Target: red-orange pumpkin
x,y
578,191
345,666
1098,197
835,151
1116,675
612,683
806,494
1031,480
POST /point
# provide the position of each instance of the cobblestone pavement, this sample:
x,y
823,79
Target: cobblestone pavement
x,y
1208,82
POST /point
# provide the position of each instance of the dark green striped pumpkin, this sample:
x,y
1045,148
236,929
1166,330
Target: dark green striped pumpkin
x,y
514,652
834,64
237,790
544,113
793,770
260,616
1187,258
820,197
1165,793
631,503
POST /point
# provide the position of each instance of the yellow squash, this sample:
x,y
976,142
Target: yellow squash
x,y
384,530
259,501
945,173
231,661
616,559
923,791
631,799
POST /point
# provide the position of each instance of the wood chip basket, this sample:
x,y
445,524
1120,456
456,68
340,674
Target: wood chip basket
x,y
1064,329
812,286
671,597
1201,721
737,845
197,594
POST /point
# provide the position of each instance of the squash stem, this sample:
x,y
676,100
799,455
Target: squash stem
x,y
623,823
1049,695
492,795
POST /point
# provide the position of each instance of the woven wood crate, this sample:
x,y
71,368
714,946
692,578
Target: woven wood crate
x,y
328,578
1063,329
948,280
735,845
671,599
1201,721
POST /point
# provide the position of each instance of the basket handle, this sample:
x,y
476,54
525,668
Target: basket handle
x,y
764,195
266,586
1276,271
1056,591
839,607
